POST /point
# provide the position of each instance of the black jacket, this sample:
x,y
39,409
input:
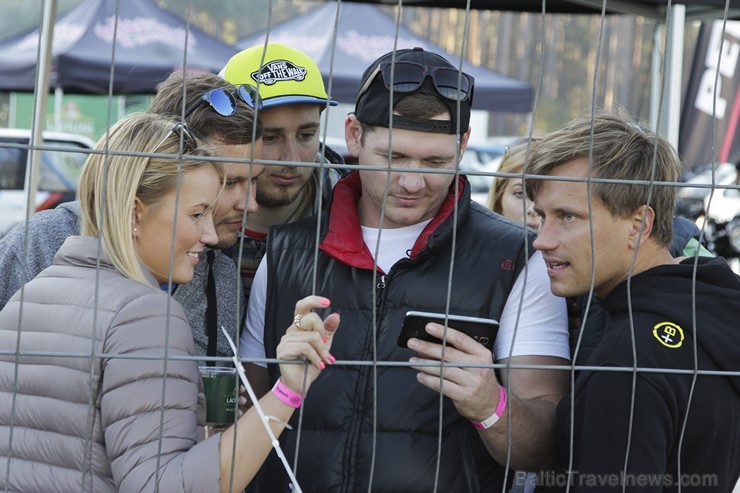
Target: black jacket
x,y
344,405
593,331
665,337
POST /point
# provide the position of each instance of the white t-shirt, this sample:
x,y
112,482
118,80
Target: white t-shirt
x,y
542,328
394,243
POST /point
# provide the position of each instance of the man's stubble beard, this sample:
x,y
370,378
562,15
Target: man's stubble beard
x,y
283,197
226,242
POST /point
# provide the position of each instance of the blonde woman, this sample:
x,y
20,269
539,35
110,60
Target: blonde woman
x,y
507,196
97,391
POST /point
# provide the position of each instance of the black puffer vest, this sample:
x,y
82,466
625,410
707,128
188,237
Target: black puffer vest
x,y
346,413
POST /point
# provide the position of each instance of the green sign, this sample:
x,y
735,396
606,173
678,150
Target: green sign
x,y
75,113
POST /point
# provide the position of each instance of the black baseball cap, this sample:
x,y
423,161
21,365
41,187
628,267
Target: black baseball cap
x,y
414,71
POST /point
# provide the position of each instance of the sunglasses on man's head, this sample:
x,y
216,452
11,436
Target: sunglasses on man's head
x,y
223,102
409,76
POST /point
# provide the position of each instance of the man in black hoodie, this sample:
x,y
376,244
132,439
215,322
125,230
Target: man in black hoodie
x,y
664,412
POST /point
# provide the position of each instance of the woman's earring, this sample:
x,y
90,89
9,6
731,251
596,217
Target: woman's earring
x,y
136,230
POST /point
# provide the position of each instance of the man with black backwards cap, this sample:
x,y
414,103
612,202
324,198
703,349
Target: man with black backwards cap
x,y
293,97
410,240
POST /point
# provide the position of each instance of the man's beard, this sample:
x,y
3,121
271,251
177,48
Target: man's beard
x,y
226,241
279,197
228,237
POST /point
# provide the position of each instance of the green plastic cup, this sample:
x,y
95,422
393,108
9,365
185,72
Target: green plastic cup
x,y
221,392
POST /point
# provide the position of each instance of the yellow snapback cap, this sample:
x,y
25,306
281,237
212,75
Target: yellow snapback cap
x,y
286,76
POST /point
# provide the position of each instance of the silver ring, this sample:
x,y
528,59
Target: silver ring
x,y
297,321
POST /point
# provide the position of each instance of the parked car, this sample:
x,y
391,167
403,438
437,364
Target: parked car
x,y
483,156
690,199
480,180
478,163
59,172
723,223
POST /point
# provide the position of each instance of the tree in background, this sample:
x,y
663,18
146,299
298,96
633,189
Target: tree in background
x,y
508,42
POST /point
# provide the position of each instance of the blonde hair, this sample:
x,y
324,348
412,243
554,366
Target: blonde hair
x,y
111,181
512,162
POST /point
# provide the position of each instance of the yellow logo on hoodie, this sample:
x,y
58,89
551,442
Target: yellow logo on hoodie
x,y
668,334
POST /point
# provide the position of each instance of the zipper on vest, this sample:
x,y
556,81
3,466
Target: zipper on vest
x,y
381,283
355,431
380,295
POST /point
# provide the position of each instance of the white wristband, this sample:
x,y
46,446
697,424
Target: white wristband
x,y
493,419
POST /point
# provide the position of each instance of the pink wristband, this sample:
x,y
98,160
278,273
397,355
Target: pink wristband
x,y
500,409
287,396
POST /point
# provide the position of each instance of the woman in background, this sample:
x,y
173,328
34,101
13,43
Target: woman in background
x,y
506,195
99,386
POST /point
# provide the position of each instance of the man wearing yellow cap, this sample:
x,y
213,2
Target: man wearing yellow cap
x,y
293,97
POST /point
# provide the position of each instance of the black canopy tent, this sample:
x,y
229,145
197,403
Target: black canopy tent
x,y
75,53
364,32
150,44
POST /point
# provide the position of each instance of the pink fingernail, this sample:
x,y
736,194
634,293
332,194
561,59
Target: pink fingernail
x,y
324,302
331,358
322,365
323,338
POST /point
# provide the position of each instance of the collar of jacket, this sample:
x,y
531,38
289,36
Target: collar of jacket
x,y
343,239
83,251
